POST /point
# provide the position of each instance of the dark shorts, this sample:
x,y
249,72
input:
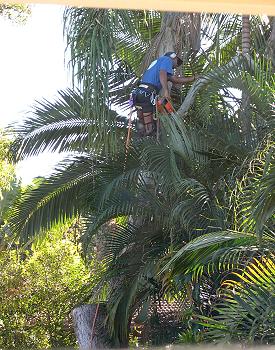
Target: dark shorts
x,y
144,98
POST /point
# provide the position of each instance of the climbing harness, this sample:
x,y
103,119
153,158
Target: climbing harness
x,y
144,99
148,105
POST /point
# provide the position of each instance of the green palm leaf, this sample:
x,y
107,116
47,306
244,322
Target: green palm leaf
x,y
63,126
246,313
64,195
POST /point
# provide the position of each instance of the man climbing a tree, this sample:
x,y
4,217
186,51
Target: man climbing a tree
x,y
155,78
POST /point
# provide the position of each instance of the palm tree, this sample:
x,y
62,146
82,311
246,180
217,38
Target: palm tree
x,y
242,255
194,167
244,311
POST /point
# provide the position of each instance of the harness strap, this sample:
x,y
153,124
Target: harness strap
x,y
148,86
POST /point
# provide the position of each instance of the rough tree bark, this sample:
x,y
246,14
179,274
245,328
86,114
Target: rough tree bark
x,y
89,326
179,32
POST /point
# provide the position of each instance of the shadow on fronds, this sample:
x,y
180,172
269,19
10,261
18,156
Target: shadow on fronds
x,y
245,308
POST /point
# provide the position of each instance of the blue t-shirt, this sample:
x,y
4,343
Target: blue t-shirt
x,y
151,76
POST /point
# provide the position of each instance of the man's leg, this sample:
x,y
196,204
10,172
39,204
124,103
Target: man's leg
x,y
149,123
145,113
146,123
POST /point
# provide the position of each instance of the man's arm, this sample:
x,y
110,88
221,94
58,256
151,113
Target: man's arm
x,y
164,82
181,80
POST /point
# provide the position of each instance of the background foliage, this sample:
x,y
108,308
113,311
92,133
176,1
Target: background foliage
x,y
39,287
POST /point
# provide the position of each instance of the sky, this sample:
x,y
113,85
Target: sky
x,y
32,68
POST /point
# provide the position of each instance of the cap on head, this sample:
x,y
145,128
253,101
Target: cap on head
x,y
172,54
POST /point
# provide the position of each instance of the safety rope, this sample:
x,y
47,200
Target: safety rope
x,y
157,118
128,139
94,320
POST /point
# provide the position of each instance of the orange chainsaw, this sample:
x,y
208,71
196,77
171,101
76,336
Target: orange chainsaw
x,y
164,106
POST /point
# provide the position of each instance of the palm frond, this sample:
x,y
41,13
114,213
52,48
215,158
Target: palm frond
x,y
200,251
91,38
246,313
63,195
62,126
255,198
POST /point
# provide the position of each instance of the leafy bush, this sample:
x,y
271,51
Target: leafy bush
x,y
38,289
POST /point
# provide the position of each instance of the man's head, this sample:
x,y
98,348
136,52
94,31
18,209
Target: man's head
x,y
177,61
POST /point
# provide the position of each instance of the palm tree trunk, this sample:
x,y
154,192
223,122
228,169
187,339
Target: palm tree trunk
x,y
89,319
271,42
179,32
89,326
245,35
